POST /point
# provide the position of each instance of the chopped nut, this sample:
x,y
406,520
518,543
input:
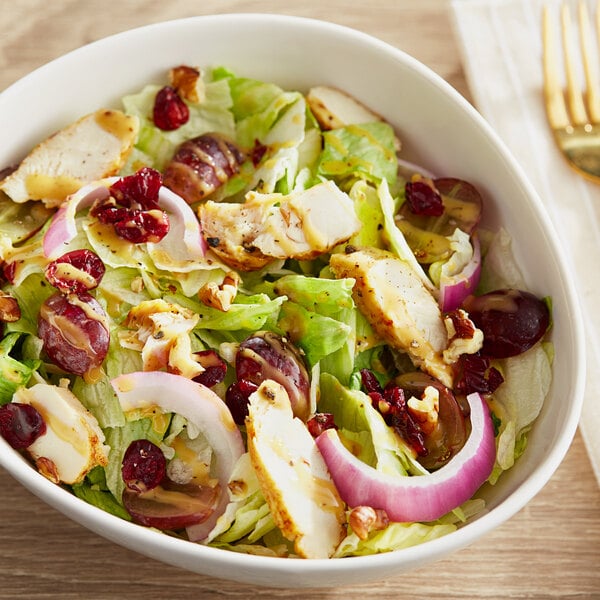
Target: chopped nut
x,y
220,296
426,410
187,81
48,469
364,519
464,337
179,471
9,308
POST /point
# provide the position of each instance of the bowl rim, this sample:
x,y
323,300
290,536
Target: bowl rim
x,y
144,540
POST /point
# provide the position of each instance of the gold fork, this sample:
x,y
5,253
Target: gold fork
x,y
573,114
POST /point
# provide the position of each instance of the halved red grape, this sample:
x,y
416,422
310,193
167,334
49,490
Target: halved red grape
x,y
201,165
450,434
267,355
74,332
21,424
171,506
512,321
76,271
144,466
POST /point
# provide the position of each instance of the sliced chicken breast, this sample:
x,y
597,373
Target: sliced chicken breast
x,y
292,474
398,306
267,227
94,147
334,108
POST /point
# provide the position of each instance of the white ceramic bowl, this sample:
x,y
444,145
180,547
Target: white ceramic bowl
x,y
438,128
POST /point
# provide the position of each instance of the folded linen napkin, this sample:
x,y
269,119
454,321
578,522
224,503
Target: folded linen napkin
x,y
500,41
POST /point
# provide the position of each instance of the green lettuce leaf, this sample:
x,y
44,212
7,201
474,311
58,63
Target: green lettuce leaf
x,y
93,490
365,151
355,415
518,402
30,294
316,335
211,113
13,373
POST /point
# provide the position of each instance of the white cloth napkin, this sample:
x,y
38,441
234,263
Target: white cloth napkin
x,y
500,41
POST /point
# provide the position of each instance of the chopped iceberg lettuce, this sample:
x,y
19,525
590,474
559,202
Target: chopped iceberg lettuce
x,y
355,416
212,113
30,294
365,151
13,373
518,402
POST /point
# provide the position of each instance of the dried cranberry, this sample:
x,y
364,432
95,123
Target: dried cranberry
x,y
320,422
400,419
370,382
423,199
132,208
144,466
9,270
76,271
391,403
170,111
215,368
107,211
143,226
257,152
237,398
139,190
475,374
21,424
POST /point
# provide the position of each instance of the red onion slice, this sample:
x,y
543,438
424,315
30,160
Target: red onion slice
x,y
201,407
62,228
184,245
454,289
420,497
180,250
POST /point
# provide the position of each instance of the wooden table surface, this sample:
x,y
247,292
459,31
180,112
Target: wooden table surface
x,y
551,549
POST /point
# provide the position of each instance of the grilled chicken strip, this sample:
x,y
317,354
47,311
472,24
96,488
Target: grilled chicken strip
x,y
398,306
303,499
267,227
94,147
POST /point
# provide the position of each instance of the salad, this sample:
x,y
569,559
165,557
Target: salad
x,y
234,313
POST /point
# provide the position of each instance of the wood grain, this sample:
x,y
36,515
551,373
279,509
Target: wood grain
x,y
551,549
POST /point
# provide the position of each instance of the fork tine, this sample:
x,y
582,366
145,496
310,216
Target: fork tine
x,y
555,101
574,94
589,67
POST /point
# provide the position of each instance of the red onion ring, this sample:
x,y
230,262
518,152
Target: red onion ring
x,y
420,497
201,407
